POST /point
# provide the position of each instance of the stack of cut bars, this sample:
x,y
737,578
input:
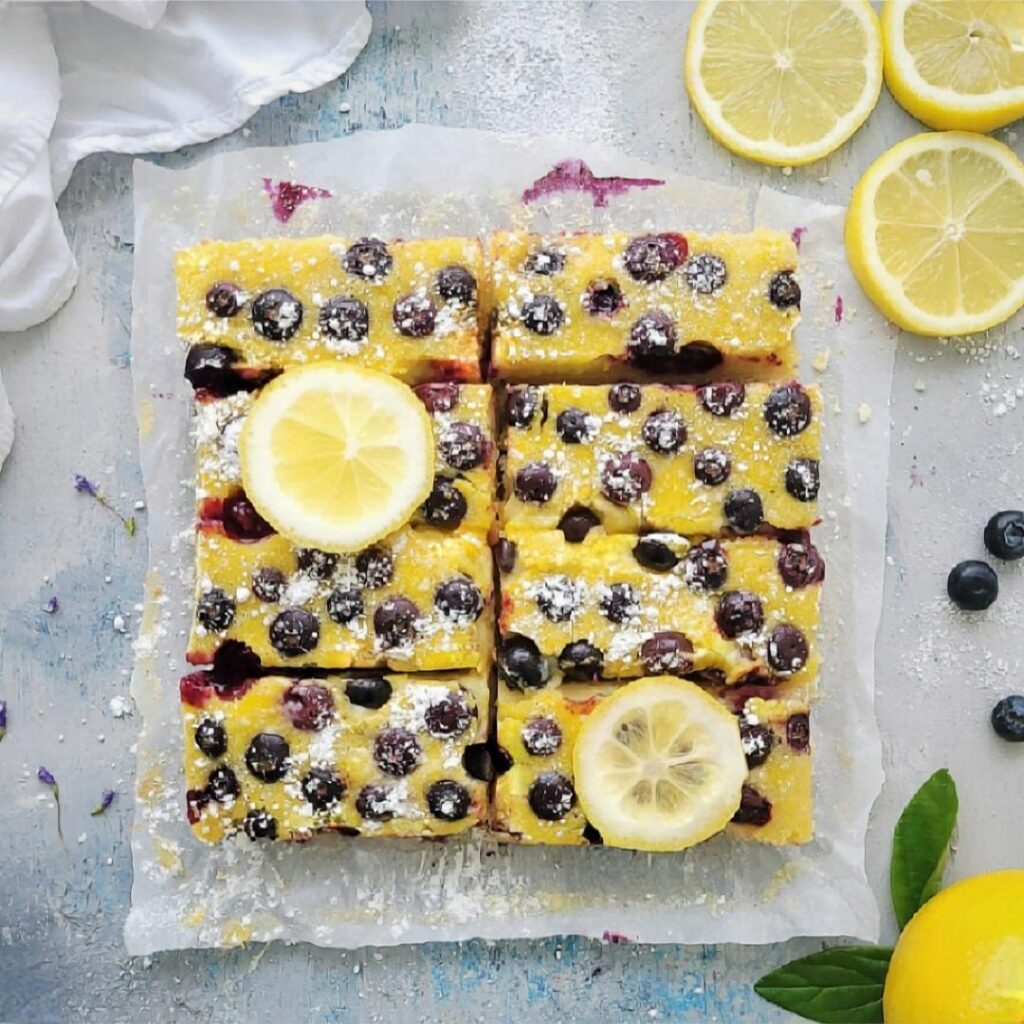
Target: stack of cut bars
x,y
632,496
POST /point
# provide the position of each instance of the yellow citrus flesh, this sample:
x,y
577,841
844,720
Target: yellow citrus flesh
x,y
960,960
935,233
956,64
336,457
783,82
658,765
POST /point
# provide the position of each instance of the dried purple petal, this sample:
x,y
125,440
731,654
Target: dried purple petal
x,y
46,776
3,719
52,606
85,486
105,801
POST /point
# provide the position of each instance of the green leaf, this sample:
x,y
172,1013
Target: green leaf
x,y
920,844
837,986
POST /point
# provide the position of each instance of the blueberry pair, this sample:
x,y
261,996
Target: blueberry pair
x,y
973,585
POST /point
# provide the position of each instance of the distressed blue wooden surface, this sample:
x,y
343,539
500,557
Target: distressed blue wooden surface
x,y
605,71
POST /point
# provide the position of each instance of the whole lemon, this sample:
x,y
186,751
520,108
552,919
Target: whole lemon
x,y
961,957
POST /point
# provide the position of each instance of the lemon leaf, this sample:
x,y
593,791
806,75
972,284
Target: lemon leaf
x,y
920,845
837,986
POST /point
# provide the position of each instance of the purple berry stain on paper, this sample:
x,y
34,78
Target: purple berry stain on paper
x,y
797,234
838,311
287,196
576,176
615,938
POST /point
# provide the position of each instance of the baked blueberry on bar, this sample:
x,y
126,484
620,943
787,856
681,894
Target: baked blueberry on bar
x,y
463,497
408,308
614,606
590,307
283,758
420,600
630,457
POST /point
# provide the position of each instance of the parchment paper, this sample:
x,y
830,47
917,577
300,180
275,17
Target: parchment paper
x,y
342,892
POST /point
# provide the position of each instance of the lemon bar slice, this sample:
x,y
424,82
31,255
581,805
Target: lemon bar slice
x,y
463,496
408,308
592,307
420,600
284,758
695,460
729,612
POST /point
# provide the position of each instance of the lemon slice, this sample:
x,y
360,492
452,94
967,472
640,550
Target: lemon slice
x,y
335,457
783,82
935,233
659,766
955,64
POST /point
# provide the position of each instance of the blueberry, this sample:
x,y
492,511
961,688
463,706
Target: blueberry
x,y
592,836
370,692
800,565
396,751
368,259
757,742
211,738
215,611
344,319
625,478
234,664
535,483
712,466
558,597
222,785
521,664
459,600
457,284
1008,718
803,479
624,398
505,554
276,314
576,523
972,586
619,603
743,511
787,649
445,506
319,565
414,316
603,298
798,731
322,788
1004,535
697,357
448,800
705,567
462,445
544,262
667,651
345,605
443,397
241,520
664,432
375,567
478,761
259,824
722,399
541,736
652,342
196,801
521,405
754,808
783,291
309,706
267,756
267,584
652,258
374,803
787,410
573,426
224,298
655,554
395,622
739,612
543,315
551,796
295,631
212,368
449,716
581,661
705,272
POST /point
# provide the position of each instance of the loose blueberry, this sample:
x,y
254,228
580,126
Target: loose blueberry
x,y
459,600
215,611
396,751
787,410
295,631
375,567
743,511
655,554
448,800
697,357
535,483
1008,718
224,299
798,731
521,405
652,258
757,742
972,586
276,314
267,584
212,368
722,399
1004,535
449,716
667,652
309,706
619,603
625,478
706,567
739,612
457,284
211,738
581,661
222,785
664,432
544,262
541,736
603,298
551,796
576,523
558,597
395,622
652,342
573,426
803,479
787,649
624,398
322,788
521,664
543,315
344,319
505,554
800,565
368,259
259,824
754,808
374,803
241,520
446,505
443,397
784,291
414,316
345,605
712,466
267,756
705,272
370,692
319,565
462,445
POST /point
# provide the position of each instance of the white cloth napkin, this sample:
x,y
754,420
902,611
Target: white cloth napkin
x,y
133,76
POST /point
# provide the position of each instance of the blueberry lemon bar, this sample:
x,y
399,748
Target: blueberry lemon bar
x,y
694,460
283,758
590,307
407,308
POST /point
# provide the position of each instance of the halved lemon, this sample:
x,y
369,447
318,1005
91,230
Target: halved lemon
x,y
659,765
783,82
335,457
935,233
956,64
